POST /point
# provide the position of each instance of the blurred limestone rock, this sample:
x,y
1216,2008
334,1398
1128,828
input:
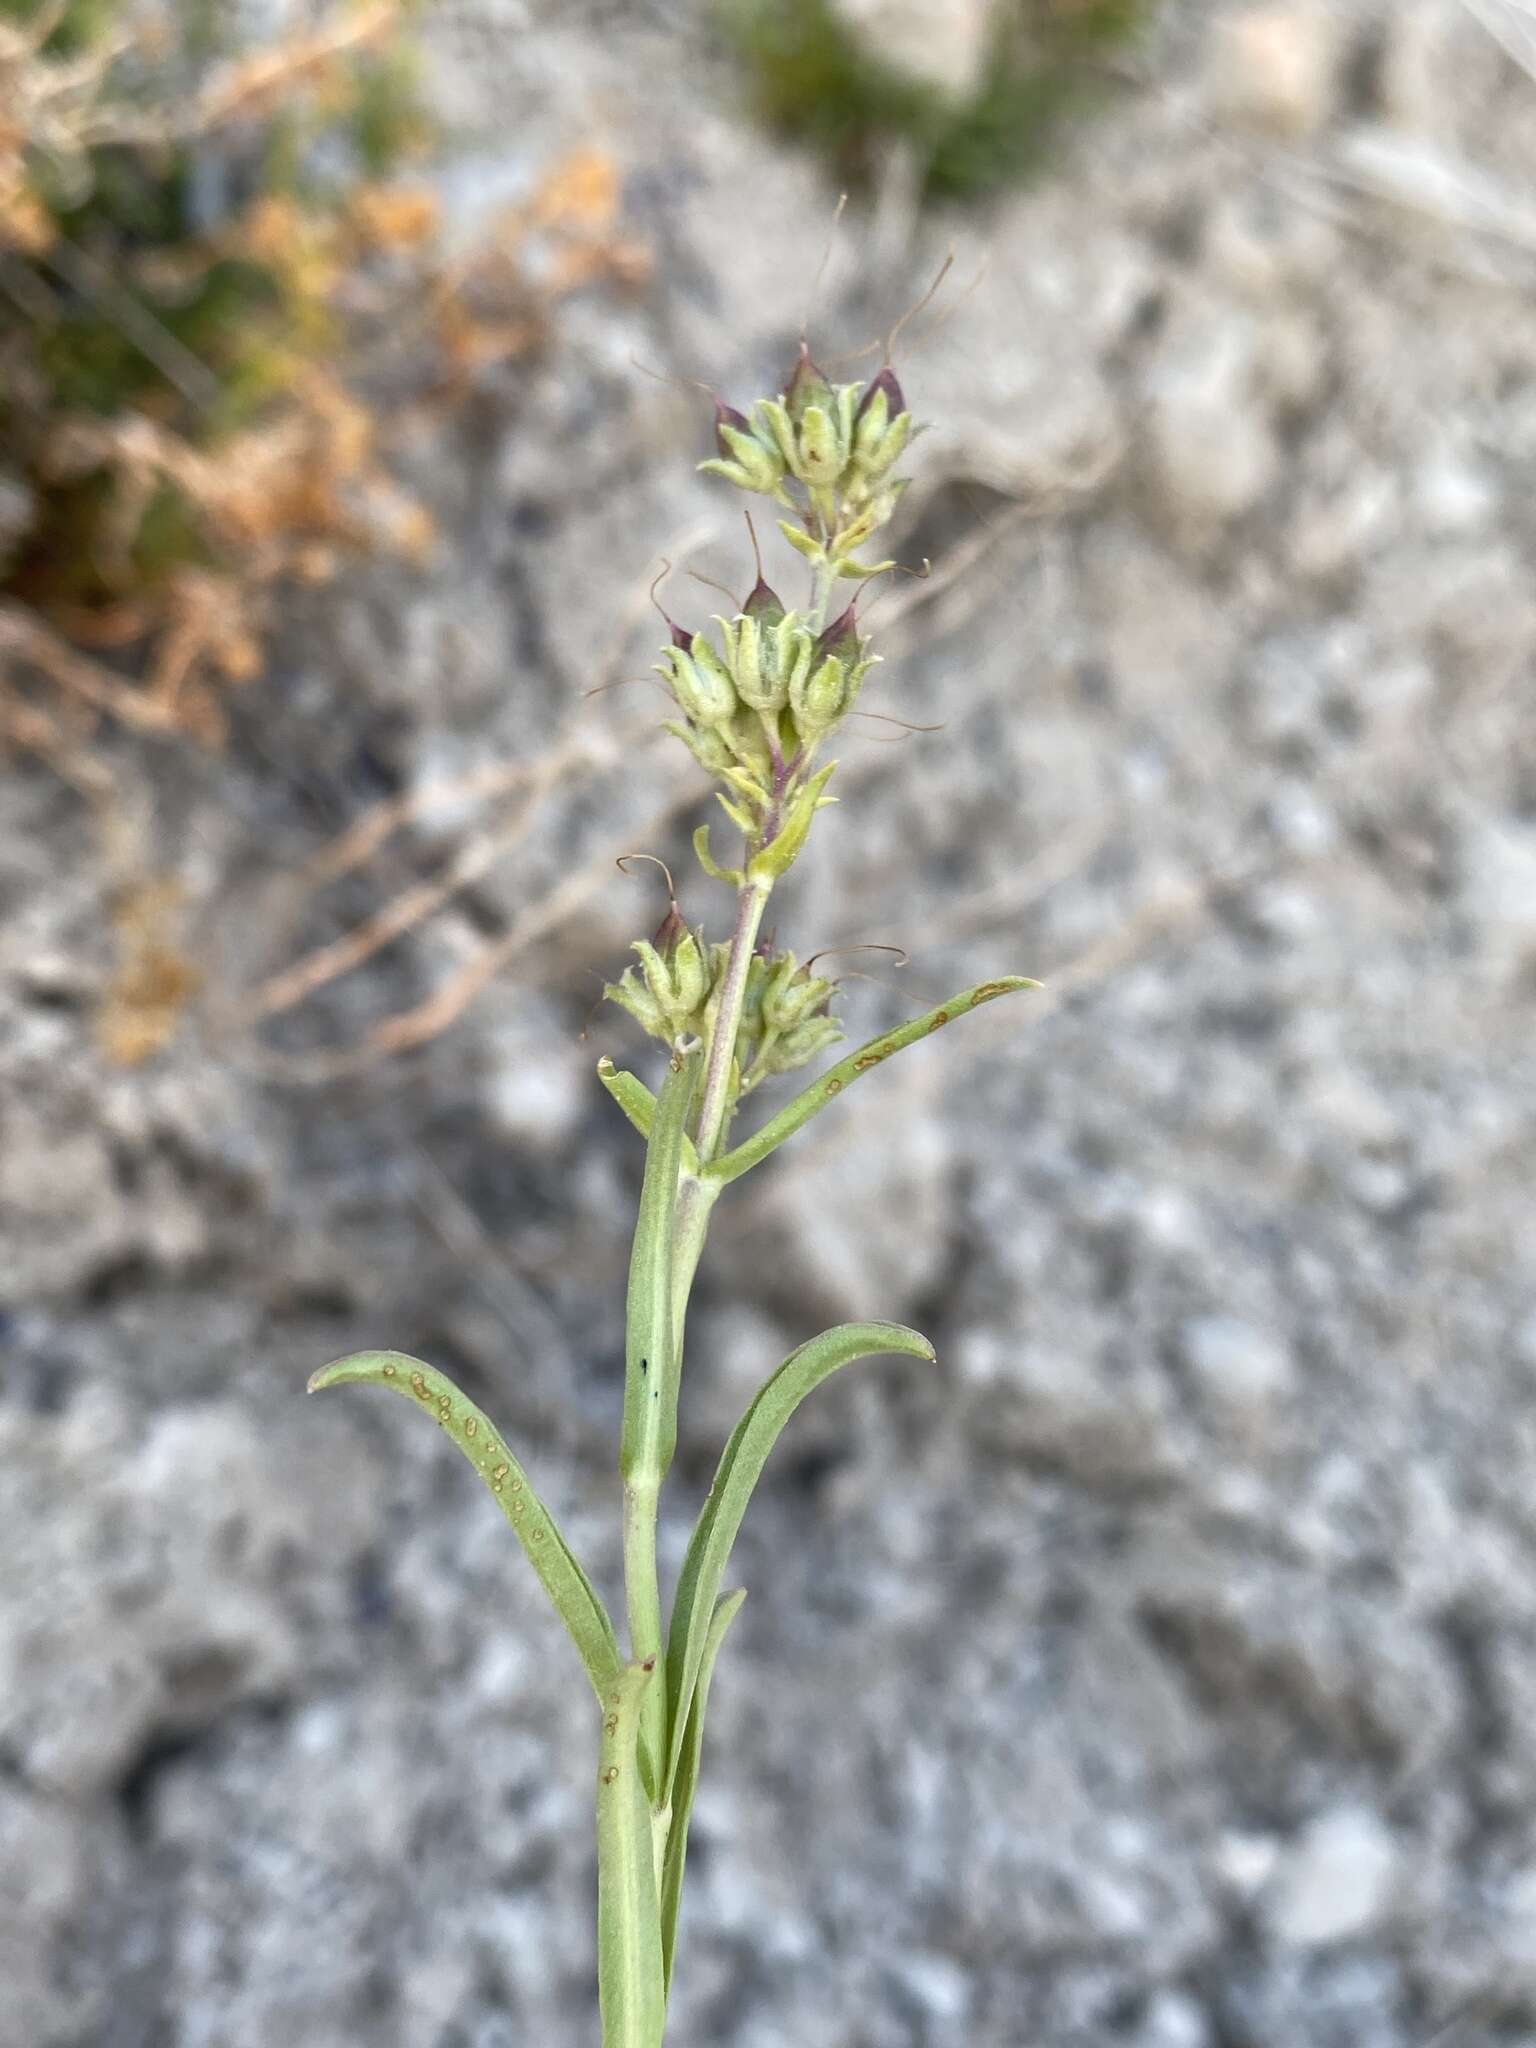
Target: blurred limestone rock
x,y
942,43
147,1596
1278,66
1234,1364
1210,455
851,1220
51,1861
1334,1882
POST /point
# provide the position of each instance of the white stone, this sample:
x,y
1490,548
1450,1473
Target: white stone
x,y
1500,891
943,43
1174,2021
938,1984
1234,1362
1209,452
1276,67
535,1096
1334,1881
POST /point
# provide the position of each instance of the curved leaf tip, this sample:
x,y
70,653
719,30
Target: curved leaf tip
x,y
363,1366
478,1440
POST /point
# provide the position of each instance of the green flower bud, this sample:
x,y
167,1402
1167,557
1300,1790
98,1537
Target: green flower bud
x,y
817,700
705,745
715,674
873,417
793,647
884,395
760,460
749,751
807,387
882,428
676,981
689,976
824,692
771,423
755,667
667,994
791,996
821,455
751,461
631,994
700,681
889,448
798,1047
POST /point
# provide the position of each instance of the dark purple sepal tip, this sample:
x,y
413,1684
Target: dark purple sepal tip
x,y
728,416
764,604
842,636
895,399
807,386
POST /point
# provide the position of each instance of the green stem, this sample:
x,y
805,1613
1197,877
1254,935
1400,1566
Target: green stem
x,y
652,1358
696,1198
750,906
642,1599
696,1195
823,576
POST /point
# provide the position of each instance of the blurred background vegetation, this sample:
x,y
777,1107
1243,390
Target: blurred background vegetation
x,y
977,116
216,249
200,225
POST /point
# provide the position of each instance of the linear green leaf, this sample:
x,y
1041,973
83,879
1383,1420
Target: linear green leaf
x,y
639,1105
741,1463
747,1154
631,1985
569,1588
683,1790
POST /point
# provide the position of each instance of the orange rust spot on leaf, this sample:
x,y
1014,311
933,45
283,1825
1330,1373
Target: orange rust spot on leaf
x,y
989,989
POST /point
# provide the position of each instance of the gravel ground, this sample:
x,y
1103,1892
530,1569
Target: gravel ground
x,y
1162,1670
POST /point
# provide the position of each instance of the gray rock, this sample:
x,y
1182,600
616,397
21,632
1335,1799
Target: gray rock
x,y
1161,1666
1235,1365
1209,451
1334,1883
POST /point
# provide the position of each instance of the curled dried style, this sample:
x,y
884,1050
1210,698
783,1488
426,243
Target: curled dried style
x,y
757,703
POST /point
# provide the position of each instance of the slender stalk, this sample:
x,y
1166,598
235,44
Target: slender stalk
x,y
642,1599
750,906
823,576
651,1360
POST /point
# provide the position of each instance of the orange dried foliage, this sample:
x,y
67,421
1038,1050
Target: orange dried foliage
x,y
153,981
288,499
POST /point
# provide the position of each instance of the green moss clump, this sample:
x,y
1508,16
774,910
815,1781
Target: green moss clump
x,y
812,78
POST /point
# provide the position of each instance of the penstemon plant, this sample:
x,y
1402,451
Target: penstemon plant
x,y
755,709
